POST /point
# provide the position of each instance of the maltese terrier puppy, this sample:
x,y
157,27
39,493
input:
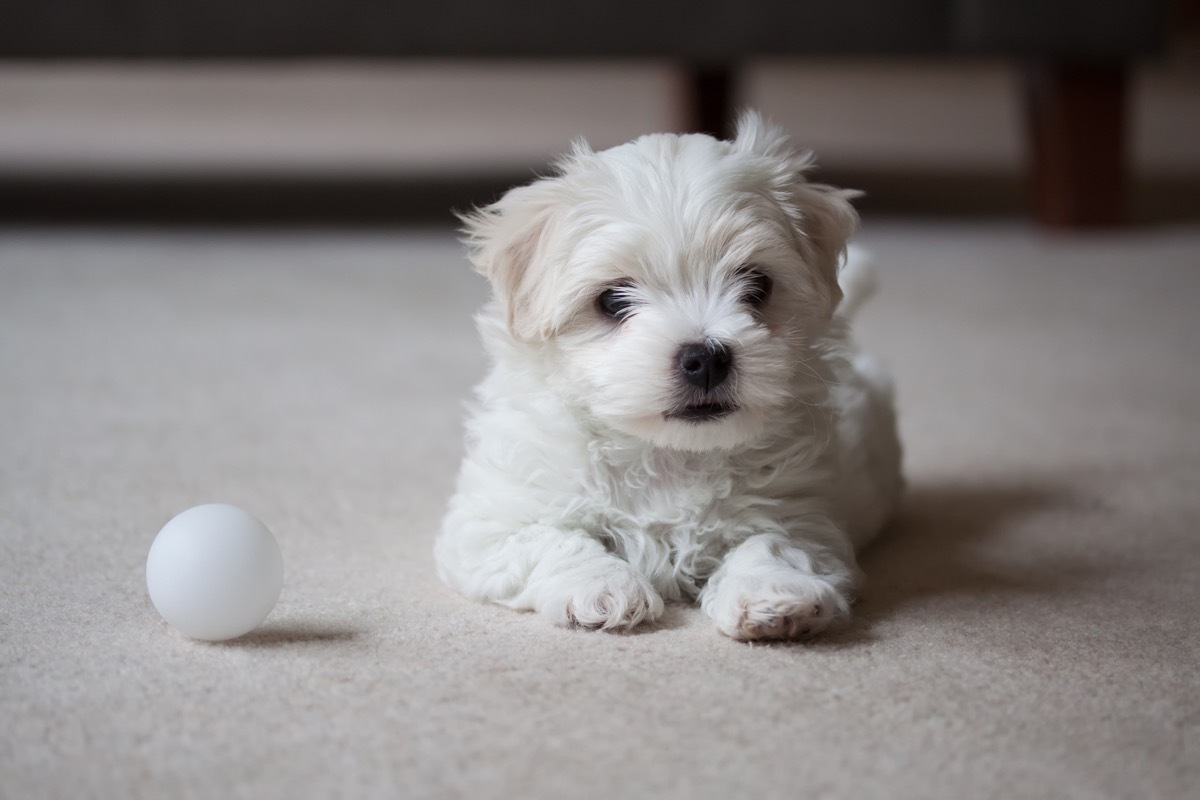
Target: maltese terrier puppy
x,y
675,410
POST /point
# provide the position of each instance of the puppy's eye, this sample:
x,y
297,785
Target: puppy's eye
x,y
615,302
758,288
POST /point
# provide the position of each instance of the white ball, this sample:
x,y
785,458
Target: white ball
x,y
214,572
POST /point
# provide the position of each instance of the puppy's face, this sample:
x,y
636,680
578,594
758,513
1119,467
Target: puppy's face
x,y
670,286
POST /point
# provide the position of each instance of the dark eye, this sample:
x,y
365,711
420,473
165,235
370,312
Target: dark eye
x,y
615,302
758,288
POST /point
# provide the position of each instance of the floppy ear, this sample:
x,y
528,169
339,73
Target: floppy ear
x,y
822,218
510,244
826,223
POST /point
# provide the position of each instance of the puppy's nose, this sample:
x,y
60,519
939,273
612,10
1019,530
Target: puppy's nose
x,y
705,364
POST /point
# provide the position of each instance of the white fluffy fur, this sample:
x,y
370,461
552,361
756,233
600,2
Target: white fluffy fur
x,y
578,498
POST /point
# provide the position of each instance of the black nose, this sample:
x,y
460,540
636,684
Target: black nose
x,y
706,364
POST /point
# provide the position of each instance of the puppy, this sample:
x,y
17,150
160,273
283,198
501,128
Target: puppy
x,y
675,411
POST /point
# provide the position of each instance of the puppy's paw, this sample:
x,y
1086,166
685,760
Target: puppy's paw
x,y
610,597
803,605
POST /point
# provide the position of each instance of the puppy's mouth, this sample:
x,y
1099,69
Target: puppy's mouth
x,y
702,412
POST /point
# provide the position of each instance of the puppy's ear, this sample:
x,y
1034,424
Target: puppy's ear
x,y
822,218
510,243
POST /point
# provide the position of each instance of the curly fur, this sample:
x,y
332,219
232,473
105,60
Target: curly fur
x,y
581,497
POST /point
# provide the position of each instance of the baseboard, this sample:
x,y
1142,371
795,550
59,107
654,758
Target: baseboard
x,y
389,199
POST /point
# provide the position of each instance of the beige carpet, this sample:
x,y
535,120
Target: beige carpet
x,y
1029,629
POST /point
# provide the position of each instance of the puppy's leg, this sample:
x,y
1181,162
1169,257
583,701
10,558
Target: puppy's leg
x,y
565,575
772,586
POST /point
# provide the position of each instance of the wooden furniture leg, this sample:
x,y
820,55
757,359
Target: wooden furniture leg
x,y
708,100
1078,158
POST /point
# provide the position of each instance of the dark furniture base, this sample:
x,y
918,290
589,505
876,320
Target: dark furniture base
x,y
1077,144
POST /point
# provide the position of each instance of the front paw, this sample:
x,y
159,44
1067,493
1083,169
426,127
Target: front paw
x,y
609,596
802,605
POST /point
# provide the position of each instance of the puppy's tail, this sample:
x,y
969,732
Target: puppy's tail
x,y
857,280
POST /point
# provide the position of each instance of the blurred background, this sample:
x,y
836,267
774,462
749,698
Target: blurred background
x,y
228,272
1074,113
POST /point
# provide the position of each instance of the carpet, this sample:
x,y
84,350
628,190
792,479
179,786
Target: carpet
x,y
1028,626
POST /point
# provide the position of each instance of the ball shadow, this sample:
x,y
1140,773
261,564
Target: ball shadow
x,y
288,634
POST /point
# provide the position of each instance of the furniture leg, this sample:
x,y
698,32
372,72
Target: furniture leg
x,y
1076,115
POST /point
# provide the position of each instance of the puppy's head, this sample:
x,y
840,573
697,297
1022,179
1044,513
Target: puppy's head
x,y
670,286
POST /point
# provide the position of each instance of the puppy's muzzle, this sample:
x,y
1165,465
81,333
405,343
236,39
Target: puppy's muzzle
x,y
705,365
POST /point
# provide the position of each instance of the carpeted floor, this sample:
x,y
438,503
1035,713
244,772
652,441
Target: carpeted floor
x,y
1029,628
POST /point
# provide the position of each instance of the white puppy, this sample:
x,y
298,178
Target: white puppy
x,y
675,410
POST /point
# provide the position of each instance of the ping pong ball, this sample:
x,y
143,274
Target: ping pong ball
x,y
214,572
